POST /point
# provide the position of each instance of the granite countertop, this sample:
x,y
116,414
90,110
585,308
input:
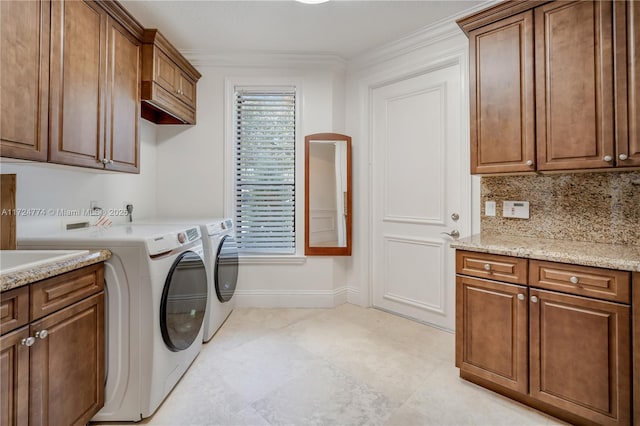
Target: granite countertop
x,y
20,278
611,256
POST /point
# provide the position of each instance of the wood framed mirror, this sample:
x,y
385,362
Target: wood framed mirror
x,y
327,204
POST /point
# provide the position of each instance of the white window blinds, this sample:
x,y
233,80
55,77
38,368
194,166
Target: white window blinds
x,y
265,170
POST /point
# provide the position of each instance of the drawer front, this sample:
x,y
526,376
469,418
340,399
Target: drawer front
x,y
56,293
492,266
587,281
14,309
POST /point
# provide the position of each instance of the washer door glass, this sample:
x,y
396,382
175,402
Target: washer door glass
x,y
184,300
226,272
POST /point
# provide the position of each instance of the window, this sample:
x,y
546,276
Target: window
x,y
265,169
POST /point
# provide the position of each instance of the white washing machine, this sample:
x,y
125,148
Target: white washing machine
x,y
221,260
157,291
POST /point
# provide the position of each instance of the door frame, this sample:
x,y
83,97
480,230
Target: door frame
x,y
469,190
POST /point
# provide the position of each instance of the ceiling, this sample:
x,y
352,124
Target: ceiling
x,y
346,28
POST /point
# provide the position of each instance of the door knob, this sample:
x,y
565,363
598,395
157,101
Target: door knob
x,y
452,234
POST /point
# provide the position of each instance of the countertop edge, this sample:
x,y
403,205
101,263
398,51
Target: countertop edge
x,y
570,252
14,280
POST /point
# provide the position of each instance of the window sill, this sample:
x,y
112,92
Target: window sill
x,y
272,260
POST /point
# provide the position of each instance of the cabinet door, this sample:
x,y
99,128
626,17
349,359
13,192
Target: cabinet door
x,y
24,74
187,90
123,99
580,356
77,83
67,366
574,85
166,73
491,331
14,378
628,82
502,96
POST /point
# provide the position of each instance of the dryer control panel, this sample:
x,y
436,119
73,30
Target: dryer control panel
x,y
172,240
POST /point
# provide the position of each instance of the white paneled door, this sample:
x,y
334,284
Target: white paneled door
x,y
420,182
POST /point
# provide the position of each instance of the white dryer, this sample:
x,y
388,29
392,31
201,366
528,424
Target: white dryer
x,y
157,292
221,260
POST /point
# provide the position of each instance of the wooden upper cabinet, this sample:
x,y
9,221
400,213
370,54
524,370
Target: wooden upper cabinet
x,y
627,15
123,101
77,78
578,109
168,82
95,80
502,96
575,94
24,75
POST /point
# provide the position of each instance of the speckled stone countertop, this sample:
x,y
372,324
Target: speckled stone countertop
x,y
611,256
18,279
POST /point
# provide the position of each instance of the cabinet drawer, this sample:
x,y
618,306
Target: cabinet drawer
x,y
492,266
14,309
56,293
599,283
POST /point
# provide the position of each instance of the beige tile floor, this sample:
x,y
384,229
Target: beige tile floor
x,y
343,366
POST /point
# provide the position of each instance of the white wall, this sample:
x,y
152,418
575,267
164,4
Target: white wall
x,y
50,187
192,179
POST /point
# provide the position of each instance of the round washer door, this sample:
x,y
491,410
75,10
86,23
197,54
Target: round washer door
x,y
184,300
226,271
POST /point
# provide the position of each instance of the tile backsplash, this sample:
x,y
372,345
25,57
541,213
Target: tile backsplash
x,y
593,207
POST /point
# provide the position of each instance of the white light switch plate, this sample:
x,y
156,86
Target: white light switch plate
x,y
515,209
489,208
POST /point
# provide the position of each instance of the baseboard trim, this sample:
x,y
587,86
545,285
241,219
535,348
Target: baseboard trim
x,y
294,298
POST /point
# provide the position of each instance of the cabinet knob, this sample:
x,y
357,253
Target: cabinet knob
x,y
42,334
487,267
607,158
574,280
529,163
28,341
534,299
520,296
105,161
623,157
110,161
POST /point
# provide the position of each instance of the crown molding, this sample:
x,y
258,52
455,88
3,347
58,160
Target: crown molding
x,y
265,59
439,31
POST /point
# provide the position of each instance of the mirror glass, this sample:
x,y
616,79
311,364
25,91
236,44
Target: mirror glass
x,y
328,194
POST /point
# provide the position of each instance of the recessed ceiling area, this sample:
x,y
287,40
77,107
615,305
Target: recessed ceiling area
x,y
344,28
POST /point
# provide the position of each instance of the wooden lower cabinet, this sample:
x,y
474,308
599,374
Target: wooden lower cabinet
x,y
53,369
492,339
14,378
73,347
580,357
560,352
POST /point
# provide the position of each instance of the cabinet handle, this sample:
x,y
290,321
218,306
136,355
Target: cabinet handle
x,y
623,157
607,158
487,267
520,296
28,341
534,299
574,280
529,162
42,334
